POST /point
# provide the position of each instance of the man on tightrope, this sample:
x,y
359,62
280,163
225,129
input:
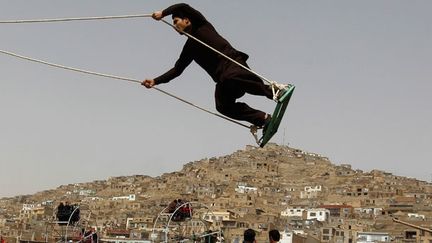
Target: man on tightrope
x,y
232,81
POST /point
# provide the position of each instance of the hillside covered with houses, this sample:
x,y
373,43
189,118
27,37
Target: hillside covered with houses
x,y
303,195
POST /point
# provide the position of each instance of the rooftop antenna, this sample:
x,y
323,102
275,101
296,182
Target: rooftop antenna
x,y
283,138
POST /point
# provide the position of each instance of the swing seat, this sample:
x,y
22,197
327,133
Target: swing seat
x,y
279,111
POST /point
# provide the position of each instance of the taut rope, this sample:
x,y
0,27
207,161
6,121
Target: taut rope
x,y
275,87
119,78
25,21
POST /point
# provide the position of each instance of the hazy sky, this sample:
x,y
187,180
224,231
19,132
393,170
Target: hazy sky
x,y
362,71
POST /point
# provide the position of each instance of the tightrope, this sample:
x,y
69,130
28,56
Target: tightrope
x,y
24,21
119,78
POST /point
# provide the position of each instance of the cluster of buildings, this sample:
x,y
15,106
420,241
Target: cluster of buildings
x,y
303,195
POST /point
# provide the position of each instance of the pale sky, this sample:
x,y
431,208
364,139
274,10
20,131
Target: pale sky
x,y
362,71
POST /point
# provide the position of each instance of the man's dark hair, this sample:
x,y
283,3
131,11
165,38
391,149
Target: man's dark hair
x,y
249,235
179,14
274,235
186,11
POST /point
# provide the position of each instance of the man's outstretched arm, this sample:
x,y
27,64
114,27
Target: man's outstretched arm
x,y
185,9
158,15
171,74
164,78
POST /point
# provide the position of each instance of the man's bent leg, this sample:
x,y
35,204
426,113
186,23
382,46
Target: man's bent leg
x,y
225,97
250,83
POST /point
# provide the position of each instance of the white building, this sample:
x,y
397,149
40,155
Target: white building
x,y
28,206
131,197
366,237
87,192
296,211
217,216
310,192
313,188
318,214
370,211
416,216
246,189
48,203
124,240
286,237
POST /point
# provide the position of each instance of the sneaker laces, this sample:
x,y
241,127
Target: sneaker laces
x,y
277,88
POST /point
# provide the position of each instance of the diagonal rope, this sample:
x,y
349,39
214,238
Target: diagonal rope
x,y
119,78
272,83
133,16
24,21
220,53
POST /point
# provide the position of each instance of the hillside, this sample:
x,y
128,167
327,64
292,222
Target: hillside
x,y
249,183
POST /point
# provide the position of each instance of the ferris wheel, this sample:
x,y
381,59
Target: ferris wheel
x,y
70,223
186,222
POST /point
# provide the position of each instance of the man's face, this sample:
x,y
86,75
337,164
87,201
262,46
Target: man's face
x,y
182,24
